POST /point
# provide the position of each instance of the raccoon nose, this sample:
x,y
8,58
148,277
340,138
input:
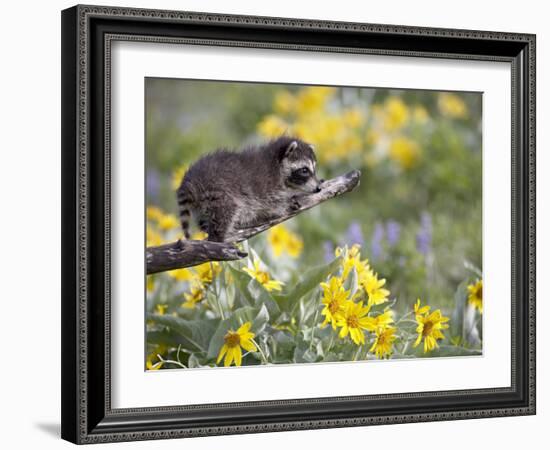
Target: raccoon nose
x,y
318,188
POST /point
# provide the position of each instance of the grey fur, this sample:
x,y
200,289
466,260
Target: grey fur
x,y
228,190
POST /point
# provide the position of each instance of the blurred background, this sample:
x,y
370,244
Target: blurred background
x,y
417,213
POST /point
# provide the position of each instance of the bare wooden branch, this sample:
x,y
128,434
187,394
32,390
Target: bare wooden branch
x,y
182,254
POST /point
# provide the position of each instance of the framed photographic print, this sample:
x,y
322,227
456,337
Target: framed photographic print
x,y
280,224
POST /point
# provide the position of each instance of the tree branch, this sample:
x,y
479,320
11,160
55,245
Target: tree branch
x,y
182,254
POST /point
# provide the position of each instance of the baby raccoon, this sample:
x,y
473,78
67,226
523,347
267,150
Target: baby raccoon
x,y
226,190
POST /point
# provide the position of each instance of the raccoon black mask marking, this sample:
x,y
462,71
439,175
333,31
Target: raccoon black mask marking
x,y
227,190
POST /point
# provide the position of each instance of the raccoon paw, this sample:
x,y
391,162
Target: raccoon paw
x,y
294,204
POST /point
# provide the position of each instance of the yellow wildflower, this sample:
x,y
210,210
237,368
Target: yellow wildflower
x,y
354,320
149,365
294,245
452,105
181,274
195,296
282,240
420,114
154,213
374,287
153,238
313,99
177,176
233,341
150,283
207,271
334,299
404,152
348,143
284,103
333,137
429,328
372,137
353,117
168,222
383,342
396,114
263,278
475,295
382,321
161,309
419,309
272,126
199,236
351,258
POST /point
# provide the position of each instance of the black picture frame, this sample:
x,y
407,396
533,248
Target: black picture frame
x,y
87,33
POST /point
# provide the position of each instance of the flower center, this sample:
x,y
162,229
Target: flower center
x,y
232,339
263,277
353,322
381,339
428,326
333,306
480,293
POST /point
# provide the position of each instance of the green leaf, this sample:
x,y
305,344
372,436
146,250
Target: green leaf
x,y
193,362
258,316
457,316
282,346
309,281
216,342
307,307
253,293
263,297
196,333
351,283
241,280
167,337
304,354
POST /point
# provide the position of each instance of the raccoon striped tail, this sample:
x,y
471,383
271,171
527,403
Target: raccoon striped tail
x,y
185,201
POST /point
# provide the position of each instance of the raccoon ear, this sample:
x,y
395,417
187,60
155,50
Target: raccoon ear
x,y
291,147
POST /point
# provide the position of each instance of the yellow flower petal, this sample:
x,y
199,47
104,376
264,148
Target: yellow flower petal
x,y
238,356
223,351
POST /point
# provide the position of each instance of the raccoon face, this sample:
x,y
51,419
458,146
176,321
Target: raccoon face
x,y
298,166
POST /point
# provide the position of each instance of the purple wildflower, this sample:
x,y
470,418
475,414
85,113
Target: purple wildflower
x,y
354,234
376,243
328,249
152,184
424,235
393,231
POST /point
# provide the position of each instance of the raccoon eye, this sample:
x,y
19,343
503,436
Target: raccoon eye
x,y
303,171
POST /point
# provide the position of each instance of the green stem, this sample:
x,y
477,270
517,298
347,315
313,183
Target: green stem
x,y
313,328
407,321
262,354
171,361
357,353
226,289
216,294
329,344
403,317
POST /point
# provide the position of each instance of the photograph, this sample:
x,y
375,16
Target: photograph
x,y
283,222
355,214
